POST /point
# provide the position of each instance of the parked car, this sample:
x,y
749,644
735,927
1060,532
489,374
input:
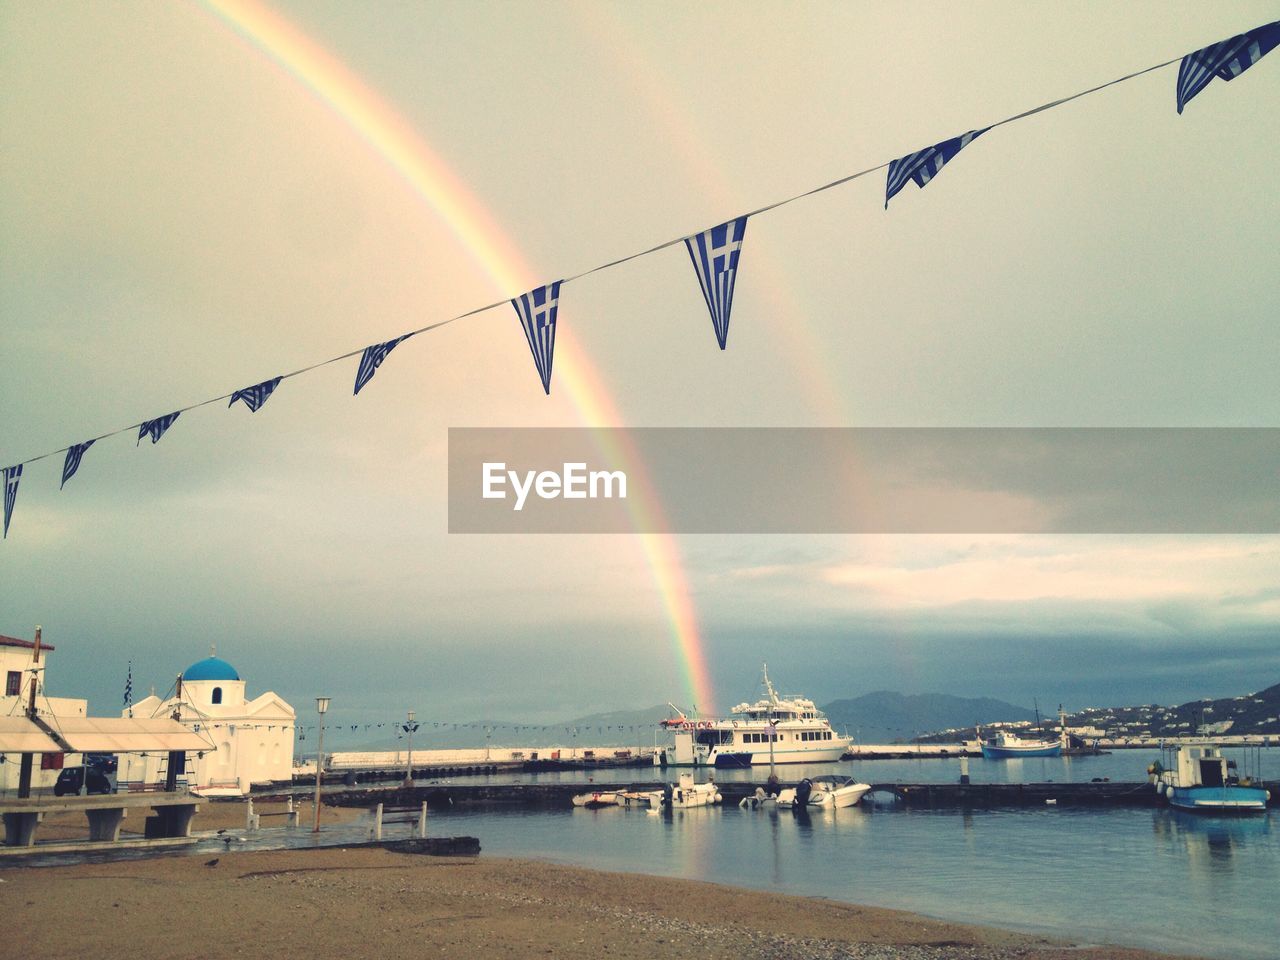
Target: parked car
x,y
72,779
105,762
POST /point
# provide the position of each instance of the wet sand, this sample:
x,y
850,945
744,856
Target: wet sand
x,y
213,815
370,902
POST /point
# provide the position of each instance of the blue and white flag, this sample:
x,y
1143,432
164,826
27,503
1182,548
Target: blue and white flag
x,y
537,311
69,466
155,428
372,359
257,395
11,477
128,689
715,254
923,165
1227,60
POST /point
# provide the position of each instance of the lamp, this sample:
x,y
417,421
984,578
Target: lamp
x,y
409,727
322,706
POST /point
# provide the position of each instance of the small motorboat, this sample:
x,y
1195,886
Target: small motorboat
x,y
759,801
832,792
690,794
598,799
837,792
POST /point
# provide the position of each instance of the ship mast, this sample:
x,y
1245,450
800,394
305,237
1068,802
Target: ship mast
x,y
768,687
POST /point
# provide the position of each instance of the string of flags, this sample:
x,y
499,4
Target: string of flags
x,y
715,253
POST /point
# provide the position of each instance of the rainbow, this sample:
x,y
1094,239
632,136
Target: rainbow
x,y
391,138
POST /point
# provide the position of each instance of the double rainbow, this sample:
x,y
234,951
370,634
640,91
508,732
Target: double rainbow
x,y
391,137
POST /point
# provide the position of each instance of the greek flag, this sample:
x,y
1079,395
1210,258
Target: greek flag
x,y
923,165
715,259
155,428
372,359
257,395
128,689
69,466
1227,60
537,311
11,477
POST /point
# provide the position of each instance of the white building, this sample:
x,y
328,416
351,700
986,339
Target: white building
x,y
254,738
16,671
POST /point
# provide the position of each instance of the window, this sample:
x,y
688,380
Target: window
x,y
13,684
217,695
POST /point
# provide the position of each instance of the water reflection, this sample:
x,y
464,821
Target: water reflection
x,y
1209,843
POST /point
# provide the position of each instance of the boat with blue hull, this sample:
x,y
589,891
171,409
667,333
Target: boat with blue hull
x,y
1202,780
1006,745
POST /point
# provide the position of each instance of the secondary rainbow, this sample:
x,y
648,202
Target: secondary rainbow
x,y
393,139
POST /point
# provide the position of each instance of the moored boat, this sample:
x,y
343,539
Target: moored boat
x,y
1202,780
1006,745
831,792
597,799
773,729
837,792
689,794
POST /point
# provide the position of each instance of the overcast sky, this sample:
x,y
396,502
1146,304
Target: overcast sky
x,y
182,217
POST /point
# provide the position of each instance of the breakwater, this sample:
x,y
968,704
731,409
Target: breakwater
x,y
916,795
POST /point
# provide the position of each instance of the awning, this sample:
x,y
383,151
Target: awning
x,y
20,735
98,735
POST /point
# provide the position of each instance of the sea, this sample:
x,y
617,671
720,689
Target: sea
x,y
1143,877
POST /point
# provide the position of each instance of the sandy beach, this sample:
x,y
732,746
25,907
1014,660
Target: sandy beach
x,y
213,815
372,902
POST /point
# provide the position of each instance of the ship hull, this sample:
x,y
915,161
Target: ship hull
x,y
1008,753
1230,799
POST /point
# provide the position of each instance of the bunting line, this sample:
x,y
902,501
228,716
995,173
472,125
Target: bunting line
x,y
144,427
75,453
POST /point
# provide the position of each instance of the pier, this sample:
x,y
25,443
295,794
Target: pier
x,y
913,795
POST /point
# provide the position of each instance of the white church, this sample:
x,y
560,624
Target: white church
x,y
253,738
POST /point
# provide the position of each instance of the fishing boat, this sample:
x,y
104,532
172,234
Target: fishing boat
x,y
1202,780
830,792
1005,745
773,729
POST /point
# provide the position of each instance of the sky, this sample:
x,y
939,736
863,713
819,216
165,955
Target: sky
x,y
186,214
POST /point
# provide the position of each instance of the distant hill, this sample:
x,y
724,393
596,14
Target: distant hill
x,y
1249,713
649,717
887,717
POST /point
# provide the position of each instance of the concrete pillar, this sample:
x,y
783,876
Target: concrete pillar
x,y
176,820
964,769
104,824
20,829
377,822
422,821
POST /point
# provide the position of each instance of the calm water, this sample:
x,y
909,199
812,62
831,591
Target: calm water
x,y
1153,878
1141,877
1122,766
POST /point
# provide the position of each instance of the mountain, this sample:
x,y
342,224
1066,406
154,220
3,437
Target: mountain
x,y
888,717
648,718
1249,713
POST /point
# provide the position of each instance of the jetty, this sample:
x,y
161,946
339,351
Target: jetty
x,y
913,795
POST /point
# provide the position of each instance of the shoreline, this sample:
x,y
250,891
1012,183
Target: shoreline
x,y
333,902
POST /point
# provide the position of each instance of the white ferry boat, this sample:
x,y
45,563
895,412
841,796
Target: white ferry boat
x,y
772,730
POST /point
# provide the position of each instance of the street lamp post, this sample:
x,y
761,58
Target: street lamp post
x,y
409,727
322,704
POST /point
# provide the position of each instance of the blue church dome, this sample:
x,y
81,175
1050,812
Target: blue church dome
x,y
210,668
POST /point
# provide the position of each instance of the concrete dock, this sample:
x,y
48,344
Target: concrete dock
x,y
916,795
